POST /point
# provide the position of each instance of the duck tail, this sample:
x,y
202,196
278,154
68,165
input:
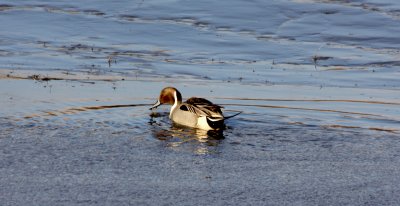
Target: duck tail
x,y
228,117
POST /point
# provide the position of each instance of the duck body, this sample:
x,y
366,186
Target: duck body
x,y
194,112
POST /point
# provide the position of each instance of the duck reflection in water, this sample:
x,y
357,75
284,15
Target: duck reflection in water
x,y
178,137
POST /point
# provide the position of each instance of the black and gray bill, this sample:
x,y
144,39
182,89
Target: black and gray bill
x,y
158,103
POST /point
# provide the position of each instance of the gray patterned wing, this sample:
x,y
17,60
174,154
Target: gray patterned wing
x,y
202,106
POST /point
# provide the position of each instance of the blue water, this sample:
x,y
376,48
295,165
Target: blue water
x,y
316,82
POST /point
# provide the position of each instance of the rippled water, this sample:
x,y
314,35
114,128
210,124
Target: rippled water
x,y
316,82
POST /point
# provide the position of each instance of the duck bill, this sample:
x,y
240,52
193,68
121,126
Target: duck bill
x,y
158,103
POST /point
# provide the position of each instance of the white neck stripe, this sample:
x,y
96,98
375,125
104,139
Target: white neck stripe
x,y
175,104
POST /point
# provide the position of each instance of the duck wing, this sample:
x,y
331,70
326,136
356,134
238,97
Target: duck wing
x,y
196,100
206,106
202,107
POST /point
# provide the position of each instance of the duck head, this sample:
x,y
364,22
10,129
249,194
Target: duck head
x,y
169,95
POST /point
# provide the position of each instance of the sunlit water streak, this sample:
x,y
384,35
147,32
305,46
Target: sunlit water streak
x,y
316,82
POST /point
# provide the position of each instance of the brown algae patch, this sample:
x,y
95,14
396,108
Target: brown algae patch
x,y
337,69
31,116
359,127
311,100
56,75
303,108
4,7
76,110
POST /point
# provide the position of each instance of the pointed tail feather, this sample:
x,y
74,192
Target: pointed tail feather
x,y
228,117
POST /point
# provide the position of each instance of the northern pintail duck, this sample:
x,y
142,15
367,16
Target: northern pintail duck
x,y
194,112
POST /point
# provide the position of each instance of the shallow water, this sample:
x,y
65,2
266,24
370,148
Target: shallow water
x,y
316,82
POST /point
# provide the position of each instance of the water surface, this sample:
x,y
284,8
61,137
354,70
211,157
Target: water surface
x,y
316,82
